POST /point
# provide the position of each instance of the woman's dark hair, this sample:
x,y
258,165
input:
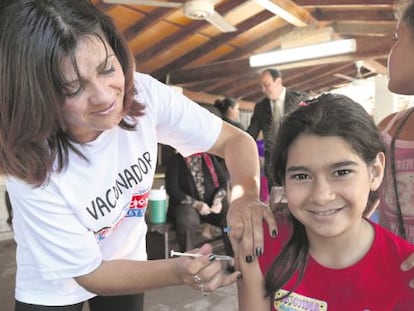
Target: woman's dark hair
x,y
223,105
35,35
404,12
327,115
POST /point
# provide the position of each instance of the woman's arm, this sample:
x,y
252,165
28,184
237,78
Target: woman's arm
x,y
123,277
246,211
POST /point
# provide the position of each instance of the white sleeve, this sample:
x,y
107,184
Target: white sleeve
x,y
180,122
56,244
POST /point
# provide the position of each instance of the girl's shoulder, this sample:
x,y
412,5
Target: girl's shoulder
x,y
273,245
388,242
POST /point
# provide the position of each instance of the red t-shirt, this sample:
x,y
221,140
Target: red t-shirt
x,y
375,283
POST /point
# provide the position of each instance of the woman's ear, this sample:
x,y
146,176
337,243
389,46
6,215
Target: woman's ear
x,y
377,171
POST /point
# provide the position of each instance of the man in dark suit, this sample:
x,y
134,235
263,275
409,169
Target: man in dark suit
x,y
268,112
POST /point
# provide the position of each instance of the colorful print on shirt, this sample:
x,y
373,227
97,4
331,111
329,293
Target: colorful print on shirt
x,y
297,302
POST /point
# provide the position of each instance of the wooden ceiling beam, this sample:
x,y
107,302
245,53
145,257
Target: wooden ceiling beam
x,y
242,85
250,93
297,75
377,28
331,3
316,73
258,43
154,17
375,66
357,14
212,44
228,84
181,35
297,11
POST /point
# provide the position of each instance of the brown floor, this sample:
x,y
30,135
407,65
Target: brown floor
x,y
177,298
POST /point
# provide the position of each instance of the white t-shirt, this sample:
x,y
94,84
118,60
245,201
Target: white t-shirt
x,y
95,210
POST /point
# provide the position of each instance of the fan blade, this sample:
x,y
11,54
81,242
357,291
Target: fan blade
x,y
217,20
340,75
164,4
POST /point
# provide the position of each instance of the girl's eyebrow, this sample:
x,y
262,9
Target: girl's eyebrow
x,y
297,168
334,165
344,163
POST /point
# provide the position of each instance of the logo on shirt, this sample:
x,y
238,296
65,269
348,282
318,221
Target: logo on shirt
x,y
138,205
296,302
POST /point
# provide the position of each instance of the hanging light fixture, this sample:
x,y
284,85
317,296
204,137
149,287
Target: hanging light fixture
x,y
313,51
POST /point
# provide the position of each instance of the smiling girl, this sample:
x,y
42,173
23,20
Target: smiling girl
x,y
327,256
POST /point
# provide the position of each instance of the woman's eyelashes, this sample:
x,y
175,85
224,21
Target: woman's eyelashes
x,y
73,91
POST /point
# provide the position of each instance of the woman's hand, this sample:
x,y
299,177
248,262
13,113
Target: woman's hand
x,y
245,220
205,273
216,207
408,264
202,208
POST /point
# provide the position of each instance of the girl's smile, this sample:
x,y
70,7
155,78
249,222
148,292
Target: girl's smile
x,y
324,214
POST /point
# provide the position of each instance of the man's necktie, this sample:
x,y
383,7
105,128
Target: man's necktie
x,y
276,112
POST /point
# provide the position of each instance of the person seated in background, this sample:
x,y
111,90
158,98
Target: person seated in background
x,y
230,111
197,187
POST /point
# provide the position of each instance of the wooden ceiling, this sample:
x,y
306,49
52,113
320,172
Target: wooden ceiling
x,y
209,63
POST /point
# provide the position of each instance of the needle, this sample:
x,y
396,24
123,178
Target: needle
x,y
218,257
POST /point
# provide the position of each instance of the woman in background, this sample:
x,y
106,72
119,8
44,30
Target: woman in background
x,y
230,110
396,209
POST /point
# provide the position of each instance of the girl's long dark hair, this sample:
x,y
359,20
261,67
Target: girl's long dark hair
x,y
35,36
327,115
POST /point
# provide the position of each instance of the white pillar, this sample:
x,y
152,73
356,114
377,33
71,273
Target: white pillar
x,y
385,101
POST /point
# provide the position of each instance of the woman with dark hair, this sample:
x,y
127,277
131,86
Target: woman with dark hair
x,y
327,255
230,110
396,209
78,145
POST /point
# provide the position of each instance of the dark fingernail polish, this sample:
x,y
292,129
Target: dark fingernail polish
x,y
211,257
259,251
249,259
274,233
240,276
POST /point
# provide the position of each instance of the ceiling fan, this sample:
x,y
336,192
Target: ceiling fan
x,y
359,78
193,9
